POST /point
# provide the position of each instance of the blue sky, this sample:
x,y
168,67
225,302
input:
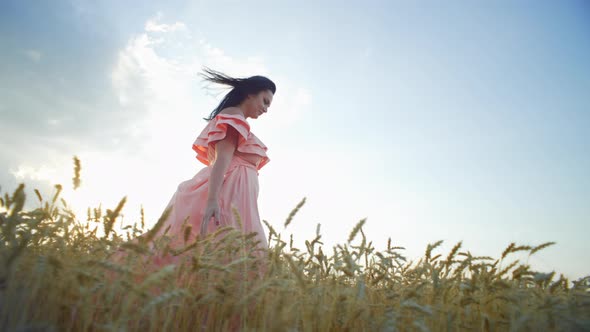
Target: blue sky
x,y
436,121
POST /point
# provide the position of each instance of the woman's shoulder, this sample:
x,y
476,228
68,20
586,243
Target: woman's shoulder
x,y
229,117
232,111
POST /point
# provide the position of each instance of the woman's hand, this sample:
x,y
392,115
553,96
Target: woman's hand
x,y
211,211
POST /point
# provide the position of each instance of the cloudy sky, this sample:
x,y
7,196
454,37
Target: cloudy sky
x,y
464,121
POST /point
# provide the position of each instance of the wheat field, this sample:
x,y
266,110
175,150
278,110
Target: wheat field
x,y
57,273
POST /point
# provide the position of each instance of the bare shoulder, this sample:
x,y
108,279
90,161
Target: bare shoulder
x,y
231,111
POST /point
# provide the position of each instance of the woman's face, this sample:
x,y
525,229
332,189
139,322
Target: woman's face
x,y
257,104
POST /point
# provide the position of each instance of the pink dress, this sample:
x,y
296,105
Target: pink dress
x,y
239,189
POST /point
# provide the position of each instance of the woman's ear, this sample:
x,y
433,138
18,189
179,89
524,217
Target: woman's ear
x,y
251,97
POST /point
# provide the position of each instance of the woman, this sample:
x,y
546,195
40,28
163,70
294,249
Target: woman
x,y
233,155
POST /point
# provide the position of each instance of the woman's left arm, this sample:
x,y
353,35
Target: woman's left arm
x,y
224,151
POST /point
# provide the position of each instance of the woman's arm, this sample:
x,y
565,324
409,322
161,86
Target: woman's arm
x,y
224,151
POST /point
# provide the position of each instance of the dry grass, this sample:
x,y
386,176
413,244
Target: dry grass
x,y
57,274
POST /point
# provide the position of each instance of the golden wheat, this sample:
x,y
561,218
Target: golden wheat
x,y
57,274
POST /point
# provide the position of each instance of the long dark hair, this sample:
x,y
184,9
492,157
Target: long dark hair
x,y
241,88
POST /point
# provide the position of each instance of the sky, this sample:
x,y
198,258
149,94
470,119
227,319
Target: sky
x,y
455,121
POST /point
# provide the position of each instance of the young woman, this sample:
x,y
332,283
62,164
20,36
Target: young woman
x,y
233,155
229,184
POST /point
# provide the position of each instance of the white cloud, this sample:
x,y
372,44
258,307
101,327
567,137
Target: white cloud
x,y
154,25
40,173
33,55
215,57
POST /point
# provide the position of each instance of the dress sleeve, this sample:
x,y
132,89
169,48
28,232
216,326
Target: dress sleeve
x,y
215,131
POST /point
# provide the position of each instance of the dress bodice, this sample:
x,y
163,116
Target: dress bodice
x,y
249,148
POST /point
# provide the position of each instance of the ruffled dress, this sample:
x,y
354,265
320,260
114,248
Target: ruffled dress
x,y
239,190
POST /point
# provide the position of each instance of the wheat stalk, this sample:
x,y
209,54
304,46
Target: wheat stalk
x,y
294,212
356,229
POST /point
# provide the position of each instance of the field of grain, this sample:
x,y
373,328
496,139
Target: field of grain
x,y
57,273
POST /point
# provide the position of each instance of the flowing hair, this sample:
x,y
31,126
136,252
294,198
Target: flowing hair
x,y
241,88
